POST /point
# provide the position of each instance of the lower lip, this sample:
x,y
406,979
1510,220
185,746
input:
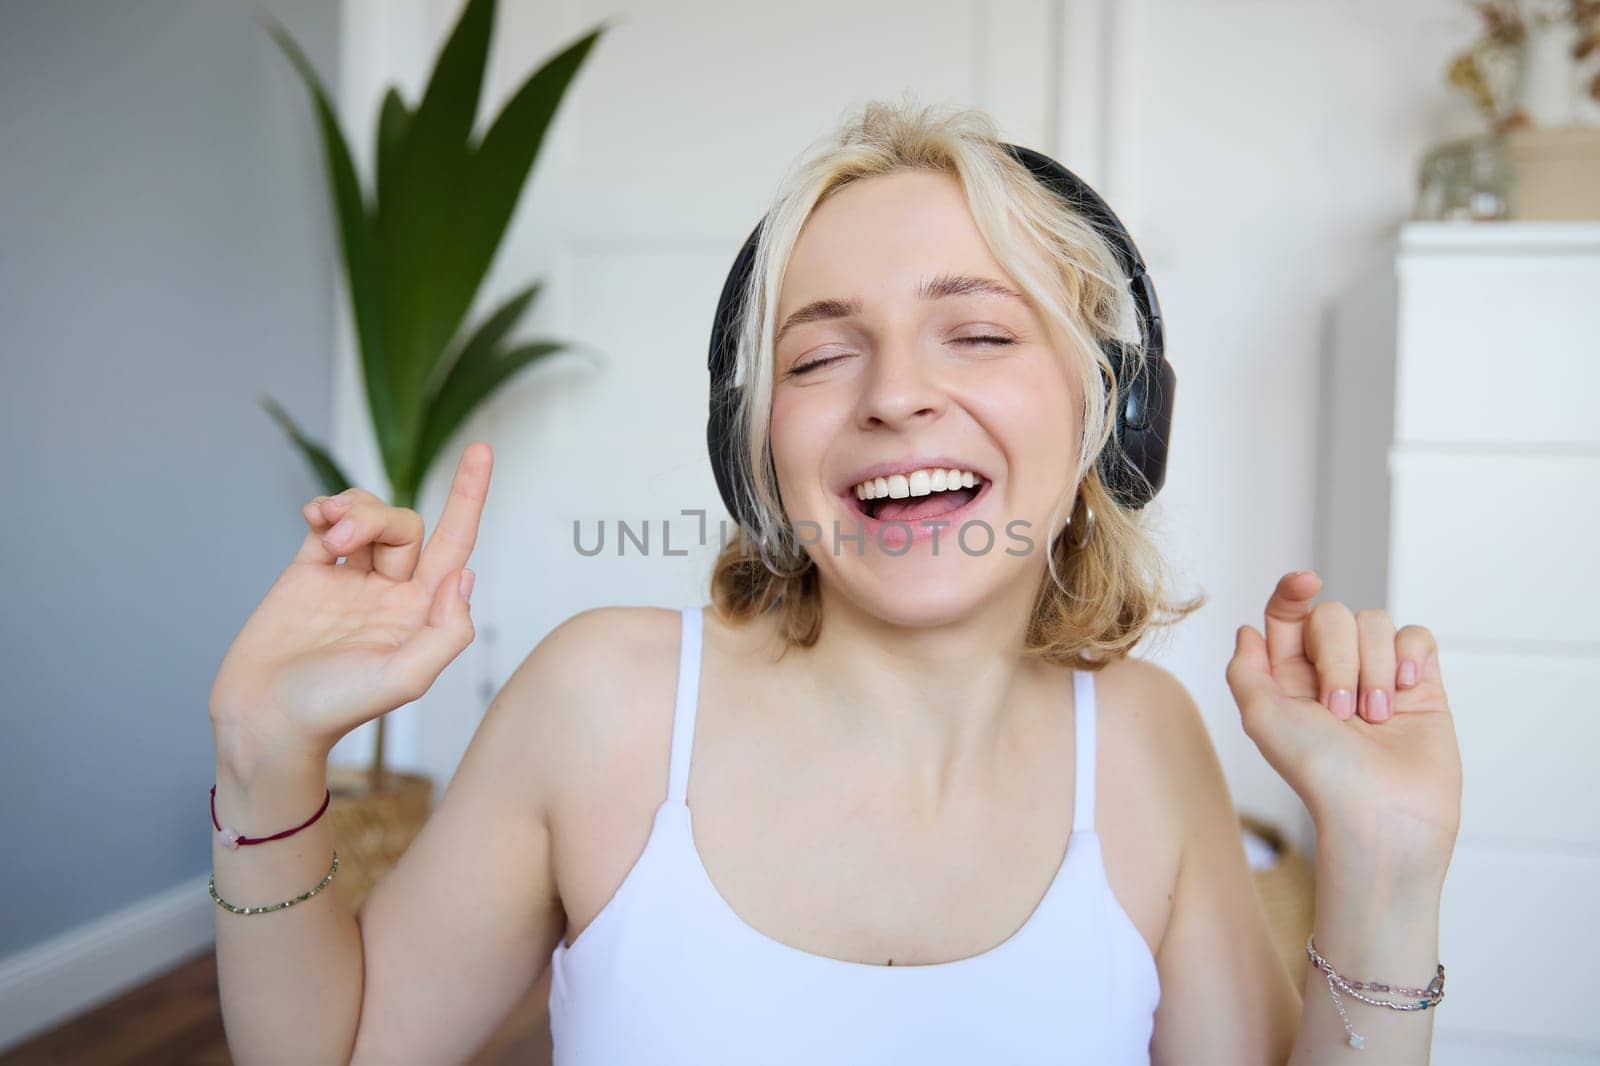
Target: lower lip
x,y
891,534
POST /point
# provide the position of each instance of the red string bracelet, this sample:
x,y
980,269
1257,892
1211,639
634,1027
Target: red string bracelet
x,y
231,837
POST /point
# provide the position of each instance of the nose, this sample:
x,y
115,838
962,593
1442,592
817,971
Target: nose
x,y
898,391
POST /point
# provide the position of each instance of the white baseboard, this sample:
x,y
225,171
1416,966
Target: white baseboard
x,y
48,983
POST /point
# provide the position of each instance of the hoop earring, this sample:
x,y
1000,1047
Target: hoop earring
x,y
1088,527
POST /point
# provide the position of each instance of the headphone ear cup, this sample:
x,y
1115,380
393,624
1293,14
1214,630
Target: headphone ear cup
x,y
722,430
1133,466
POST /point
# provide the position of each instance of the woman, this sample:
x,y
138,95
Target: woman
x,y
940,814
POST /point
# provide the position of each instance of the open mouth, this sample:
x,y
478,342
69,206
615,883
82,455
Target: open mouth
x,y
924,495
913,508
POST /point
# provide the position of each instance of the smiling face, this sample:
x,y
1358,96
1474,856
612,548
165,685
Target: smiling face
x,y
904,346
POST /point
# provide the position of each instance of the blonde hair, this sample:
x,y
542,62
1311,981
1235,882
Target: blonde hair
x,y
1096,602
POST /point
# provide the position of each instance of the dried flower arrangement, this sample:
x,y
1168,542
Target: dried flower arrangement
x,y
1488,69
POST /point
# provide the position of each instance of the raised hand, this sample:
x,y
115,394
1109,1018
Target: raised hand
x,y
333,646
1353,714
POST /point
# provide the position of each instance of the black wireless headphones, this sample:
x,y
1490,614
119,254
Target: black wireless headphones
x,y
1133,465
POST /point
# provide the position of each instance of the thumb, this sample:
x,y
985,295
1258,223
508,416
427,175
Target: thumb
x,y
1286,734
1249,675
450,599
418,662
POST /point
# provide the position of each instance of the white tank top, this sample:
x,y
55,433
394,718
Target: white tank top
x,y
668,973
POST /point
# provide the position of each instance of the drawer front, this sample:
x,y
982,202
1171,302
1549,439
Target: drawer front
x,y
1519,895
1498,348
1528,725
1516,934
1496,547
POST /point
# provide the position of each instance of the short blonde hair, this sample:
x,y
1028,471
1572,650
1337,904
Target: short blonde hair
x,y
1096,602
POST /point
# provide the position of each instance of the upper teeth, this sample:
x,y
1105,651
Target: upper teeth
x,y
916,483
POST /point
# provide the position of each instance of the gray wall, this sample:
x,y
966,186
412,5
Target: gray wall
x,y
165,256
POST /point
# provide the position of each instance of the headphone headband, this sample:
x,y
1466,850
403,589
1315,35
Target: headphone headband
x,y
1134,462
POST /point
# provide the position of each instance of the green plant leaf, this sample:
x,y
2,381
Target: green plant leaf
x,y
428,279
393,122
332,479
442,225
357,242
477,375
450,102
501,164
488,334
453,210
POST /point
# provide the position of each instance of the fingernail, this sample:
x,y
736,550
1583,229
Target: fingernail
x,y
1408,672
341,530
1343,702
1378,705
467,579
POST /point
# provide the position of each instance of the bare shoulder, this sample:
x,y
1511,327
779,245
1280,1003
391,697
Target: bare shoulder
x,y
447,957
593,690
591,651
1158,716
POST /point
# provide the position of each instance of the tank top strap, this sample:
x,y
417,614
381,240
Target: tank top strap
x,y
1083,714
687,702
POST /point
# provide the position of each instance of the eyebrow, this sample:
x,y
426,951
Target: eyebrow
x,y
935,289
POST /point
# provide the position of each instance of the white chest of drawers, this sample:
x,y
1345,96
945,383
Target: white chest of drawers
x,y
1461,490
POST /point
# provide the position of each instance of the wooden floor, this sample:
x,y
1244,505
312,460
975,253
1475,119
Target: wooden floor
x,y
176,1020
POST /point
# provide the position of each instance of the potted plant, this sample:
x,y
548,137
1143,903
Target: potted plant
x,y
415,254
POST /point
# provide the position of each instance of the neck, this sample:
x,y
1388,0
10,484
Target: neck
x,y
922,706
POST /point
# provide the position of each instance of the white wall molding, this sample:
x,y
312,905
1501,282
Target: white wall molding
x,y
82,968
1082,88
1098,97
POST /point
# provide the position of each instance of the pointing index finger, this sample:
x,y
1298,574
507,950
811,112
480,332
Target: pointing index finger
x,y
1287,611
453,538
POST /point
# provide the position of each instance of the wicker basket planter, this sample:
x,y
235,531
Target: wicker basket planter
x,y
373,827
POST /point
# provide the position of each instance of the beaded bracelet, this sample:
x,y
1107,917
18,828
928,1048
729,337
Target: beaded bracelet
x,y
301,898
1431,996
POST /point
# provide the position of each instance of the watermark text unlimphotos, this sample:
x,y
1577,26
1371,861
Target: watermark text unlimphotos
x,y
972,537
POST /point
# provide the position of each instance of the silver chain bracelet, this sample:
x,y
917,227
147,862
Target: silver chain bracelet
x,y
1430,996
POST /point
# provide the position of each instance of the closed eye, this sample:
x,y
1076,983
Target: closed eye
x,y
814,364
795,371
